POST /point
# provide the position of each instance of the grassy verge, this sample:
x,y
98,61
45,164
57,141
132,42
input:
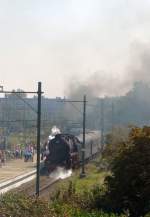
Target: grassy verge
x,y
73,202
93,177
18,205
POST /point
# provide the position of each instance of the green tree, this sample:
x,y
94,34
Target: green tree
x,y
115,142
129,185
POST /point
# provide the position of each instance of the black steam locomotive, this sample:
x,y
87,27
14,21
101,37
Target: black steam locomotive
x,y
64,150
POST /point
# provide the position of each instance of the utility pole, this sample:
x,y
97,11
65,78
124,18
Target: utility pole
x,y
38,112
82,174
112,116
102,122
83,143
38,139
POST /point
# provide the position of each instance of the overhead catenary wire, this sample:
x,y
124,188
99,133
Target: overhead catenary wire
x,y
16,94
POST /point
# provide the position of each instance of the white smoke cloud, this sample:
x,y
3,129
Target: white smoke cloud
x,y
50,40
54,131
61,173
104,83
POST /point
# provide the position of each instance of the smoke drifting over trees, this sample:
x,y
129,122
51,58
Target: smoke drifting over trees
x,y
139,68
129,94
102,83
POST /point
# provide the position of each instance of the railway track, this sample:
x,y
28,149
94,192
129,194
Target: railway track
x,y
17,181
44,188
26,183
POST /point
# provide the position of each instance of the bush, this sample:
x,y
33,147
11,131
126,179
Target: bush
x,y
19,205
89,200
129,186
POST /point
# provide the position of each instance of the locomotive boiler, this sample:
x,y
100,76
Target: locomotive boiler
x,y
65,150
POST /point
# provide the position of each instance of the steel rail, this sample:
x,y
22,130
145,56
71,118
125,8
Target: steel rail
x,y
23,179
16,182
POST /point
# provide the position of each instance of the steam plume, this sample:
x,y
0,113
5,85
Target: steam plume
x,y
102,83
61,173
54,131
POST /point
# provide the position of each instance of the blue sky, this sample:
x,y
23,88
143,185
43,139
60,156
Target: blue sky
x,y
55,41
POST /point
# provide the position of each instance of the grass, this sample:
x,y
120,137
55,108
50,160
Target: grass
x,y
18,205
93,177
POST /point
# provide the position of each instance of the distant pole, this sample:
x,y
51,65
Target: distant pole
x,y
83,143
112,116
91,149
102,123
38,139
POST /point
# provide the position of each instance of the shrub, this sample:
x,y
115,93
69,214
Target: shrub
x,y
19,205
129,186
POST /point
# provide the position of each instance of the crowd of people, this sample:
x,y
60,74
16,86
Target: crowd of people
x,y
25,152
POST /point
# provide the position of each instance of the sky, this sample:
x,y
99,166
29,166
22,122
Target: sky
x,y
61,40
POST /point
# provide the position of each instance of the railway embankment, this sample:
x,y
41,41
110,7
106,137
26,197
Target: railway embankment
x,y
99,194
69,197
92,178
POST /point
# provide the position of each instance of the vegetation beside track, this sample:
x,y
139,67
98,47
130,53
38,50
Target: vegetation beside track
x,y
18,205
73,201
92,177
125,190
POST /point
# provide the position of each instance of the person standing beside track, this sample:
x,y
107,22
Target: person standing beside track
x,y
0,158
3,157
